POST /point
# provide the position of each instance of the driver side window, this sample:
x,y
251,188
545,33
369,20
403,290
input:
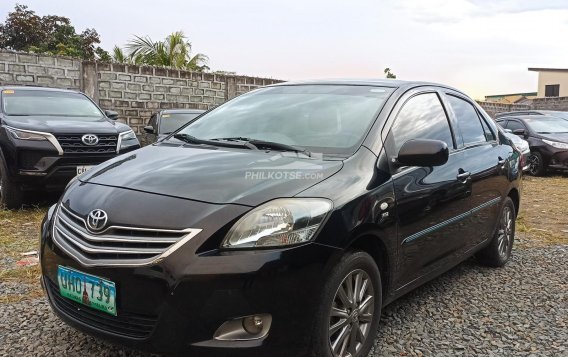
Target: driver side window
x,y
421,117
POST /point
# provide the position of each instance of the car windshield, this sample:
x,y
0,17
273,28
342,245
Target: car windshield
x,y
548,125
326,119
48,103
173,121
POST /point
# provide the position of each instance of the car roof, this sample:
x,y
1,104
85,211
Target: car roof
x,y
379,82
34,88
187,111
537,117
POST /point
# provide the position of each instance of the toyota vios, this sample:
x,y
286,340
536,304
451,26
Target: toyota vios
x,y
283,221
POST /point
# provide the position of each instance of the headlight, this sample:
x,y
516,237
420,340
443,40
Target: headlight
x,y
280,222
26,135
128,139
556,144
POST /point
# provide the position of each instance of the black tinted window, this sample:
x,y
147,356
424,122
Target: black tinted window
x,y
422,117
468,121
514,125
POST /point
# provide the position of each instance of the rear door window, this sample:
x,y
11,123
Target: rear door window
x,y
470,129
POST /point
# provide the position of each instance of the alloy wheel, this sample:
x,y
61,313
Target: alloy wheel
x,y
505,233
351,314
534,163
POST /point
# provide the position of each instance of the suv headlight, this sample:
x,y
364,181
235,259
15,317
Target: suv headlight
x,y
556,144
128,139
281,222
26,135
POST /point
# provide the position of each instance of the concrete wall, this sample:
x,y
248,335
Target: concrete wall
x,y
39,70
553,77
552,103
495,108
135,92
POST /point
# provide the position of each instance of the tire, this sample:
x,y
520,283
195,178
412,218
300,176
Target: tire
x,y
497,253
536,164
11,196
354,268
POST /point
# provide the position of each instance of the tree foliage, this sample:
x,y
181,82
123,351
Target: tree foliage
x,y
24,30
174,51
389,74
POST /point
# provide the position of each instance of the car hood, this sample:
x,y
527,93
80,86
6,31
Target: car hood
x,y
64,125
561,137
213,175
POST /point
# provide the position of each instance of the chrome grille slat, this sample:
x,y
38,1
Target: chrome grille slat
x,y
112,238
116,245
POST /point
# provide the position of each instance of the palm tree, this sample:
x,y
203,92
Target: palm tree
x,y
118,55
174,51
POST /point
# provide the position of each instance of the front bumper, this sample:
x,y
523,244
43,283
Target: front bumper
x,y
558,160
176,305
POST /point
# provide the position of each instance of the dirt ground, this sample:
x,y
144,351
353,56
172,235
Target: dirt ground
x,y
543,221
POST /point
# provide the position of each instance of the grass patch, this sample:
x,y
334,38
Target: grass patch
x,y
19,233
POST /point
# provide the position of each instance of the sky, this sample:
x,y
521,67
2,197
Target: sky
x,y
482,47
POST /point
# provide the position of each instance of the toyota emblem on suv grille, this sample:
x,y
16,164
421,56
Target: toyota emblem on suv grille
x,y
97,220
90,139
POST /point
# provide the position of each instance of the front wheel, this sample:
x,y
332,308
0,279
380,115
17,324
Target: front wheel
x,y
536,164
497,253
11,195
348,315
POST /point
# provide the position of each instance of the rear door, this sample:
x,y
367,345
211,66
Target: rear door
x,y
431,201
485,160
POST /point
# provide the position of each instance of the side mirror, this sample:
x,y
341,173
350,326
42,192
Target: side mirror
x,y
149,129
423,152
520,132
111,114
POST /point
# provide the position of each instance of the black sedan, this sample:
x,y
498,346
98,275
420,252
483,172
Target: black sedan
x,y
165,122
547,137
281,222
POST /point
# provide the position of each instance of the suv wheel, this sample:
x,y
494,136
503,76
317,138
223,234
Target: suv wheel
x,y
497,253
349,312
10,195
536,164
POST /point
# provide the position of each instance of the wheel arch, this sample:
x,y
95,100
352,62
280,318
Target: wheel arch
x,y
372,244
516,198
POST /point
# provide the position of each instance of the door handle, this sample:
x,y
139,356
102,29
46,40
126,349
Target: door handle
x,y
501,161
462,176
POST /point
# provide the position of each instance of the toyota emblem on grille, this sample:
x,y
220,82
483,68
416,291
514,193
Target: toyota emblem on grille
x,y
90,139
97,220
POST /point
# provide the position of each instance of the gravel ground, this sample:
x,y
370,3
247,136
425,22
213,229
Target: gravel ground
x,y
519,310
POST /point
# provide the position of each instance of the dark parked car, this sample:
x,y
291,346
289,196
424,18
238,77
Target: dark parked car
x,y
547,137
48,136
552,113
283,221
165,122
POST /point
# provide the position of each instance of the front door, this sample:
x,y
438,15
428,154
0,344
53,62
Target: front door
x,y
432,202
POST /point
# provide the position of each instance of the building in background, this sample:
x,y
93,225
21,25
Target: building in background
x,y
552,82
513,98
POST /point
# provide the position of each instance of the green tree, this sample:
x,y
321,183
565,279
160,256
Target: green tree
x,y
174,51
24,30
389,74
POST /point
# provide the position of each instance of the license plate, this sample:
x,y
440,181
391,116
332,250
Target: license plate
x,y
86,289
83,169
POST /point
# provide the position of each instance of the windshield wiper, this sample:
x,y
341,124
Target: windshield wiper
x,y
190,139
259,144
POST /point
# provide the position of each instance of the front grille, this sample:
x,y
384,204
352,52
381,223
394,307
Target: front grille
x,y
116,245
125,324
73,144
